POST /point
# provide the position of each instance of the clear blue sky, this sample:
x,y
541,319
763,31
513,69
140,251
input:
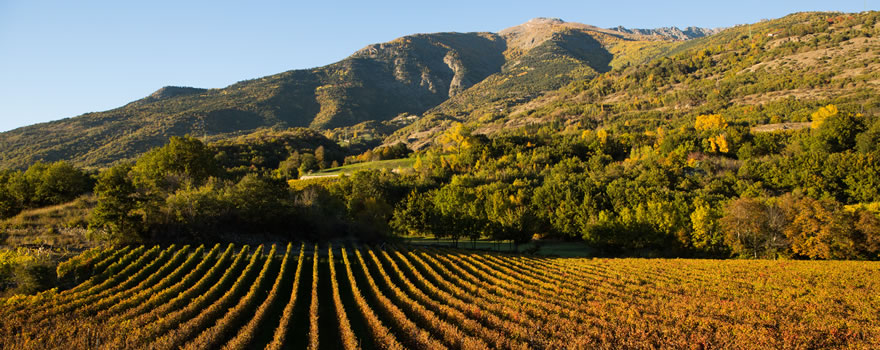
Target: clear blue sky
x,y
60,59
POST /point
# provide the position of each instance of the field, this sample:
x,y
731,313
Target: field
x,y
374,165
395,297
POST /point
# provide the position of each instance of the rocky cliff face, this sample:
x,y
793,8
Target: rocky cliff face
x,y
671,33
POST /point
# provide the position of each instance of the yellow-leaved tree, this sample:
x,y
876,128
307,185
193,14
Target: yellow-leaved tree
x,y
707,233
710,122
457,138
718,143
819,116
602,135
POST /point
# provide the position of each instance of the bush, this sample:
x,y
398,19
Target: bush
x,y
25,271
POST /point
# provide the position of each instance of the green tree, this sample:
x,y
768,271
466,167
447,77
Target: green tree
x,y
517,224
415,215
183,162
869,141
259,203
199,210
9,203
456,213
308,164
367,196
838,132
115,212
61,182
289,168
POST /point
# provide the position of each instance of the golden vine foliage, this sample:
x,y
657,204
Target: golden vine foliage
x,y
401,296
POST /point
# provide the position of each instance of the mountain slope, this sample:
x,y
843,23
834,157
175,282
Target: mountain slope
x,y
447,74
772,71
673,33
408,75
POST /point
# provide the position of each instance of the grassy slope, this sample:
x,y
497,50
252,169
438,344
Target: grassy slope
x,y
60,226
380,164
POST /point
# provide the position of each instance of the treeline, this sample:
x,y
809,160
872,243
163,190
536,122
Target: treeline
x,y
42,184
395,151
293,151
181,191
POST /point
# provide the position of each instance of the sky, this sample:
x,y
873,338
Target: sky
x,y
60,59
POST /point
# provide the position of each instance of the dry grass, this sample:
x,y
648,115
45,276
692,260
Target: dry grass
x,y
780,127
60,226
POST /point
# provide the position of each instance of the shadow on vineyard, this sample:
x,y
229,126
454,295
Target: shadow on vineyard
x,y
401,296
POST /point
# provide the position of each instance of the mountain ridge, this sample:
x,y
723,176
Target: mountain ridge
x,y
673,32
409,75
426,80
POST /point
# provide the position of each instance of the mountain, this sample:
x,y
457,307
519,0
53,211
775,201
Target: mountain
x,y
672,33
447,72
768,72
407,75
412,88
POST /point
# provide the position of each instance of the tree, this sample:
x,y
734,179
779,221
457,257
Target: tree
x,y
869,141
259,203
183,162
819,116
20,186
837,132
308,164
710,122
753,228
367,195
396,151
289,168
320,157
718,143
61,182
115,211
456,213
867,233
414,215
200,210
817,230
9,203
706,235
457,138
517,224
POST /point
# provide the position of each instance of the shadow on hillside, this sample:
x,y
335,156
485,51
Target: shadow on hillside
x,y
583,46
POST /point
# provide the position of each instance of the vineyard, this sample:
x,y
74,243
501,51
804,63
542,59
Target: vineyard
x,y
402,297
